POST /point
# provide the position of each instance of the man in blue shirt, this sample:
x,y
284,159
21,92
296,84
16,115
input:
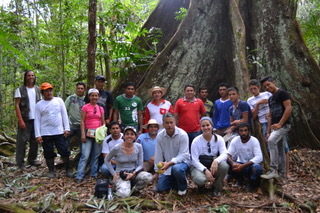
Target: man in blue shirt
x,y
240,111
148,141
221,117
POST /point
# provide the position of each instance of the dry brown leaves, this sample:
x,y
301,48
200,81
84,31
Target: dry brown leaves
x,y
31,186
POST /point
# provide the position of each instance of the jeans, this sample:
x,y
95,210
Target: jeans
x,y
24,136
264,129
90,147
252,172
191,136
199,178
104,170
277,152
177,179
59,142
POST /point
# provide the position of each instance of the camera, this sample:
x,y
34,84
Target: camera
x,y
122,174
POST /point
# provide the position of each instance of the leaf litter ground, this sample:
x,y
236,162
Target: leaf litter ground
x,y
30,189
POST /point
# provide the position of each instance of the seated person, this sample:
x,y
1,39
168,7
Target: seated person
x,y
148,141
209,155
244,158
172,157
128,156
109,142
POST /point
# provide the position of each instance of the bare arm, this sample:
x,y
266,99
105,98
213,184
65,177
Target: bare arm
x,y
140,120
116,115
256,108
110,114
82,126
21,123
176,115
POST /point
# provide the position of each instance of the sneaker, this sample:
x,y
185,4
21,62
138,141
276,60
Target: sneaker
x,y
270,174
216,193
181,193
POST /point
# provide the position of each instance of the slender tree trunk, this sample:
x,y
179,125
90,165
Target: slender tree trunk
x,y
232,41
91,43
106,57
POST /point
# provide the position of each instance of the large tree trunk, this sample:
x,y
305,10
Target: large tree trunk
x,y
223,41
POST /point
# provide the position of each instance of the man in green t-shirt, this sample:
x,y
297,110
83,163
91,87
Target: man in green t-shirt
x,y
129,107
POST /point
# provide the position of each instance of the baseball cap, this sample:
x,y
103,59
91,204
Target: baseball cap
x,y
45,86
130,128
100,77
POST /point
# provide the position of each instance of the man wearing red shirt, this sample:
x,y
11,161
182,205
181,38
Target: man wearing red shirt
x,y
188,111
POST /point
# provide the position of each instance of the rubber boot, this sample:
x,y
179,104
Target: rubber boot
x,y
66,162
50,164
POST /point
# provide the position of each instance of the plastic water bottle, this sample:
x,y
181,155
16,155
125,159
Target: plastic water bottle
x,y
109,196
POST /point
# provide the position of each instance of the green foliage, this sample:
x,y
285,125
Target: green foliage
x,y
220,209
309,18
252,59
50,37
179,15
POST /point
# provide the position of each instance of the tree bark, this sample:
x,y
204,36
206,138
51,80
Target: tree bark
x,y
92,43
232,41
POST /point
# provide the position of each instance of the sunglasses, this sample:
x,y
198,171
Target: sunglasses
x,y
209,147
94,110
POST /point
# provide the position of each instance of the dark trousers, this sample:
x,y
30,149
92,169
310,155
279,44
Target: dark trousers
x,y
59,142
24,136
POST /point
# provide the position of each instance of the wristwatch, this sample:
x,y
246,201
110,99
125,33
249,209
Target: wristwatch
x,y
204,170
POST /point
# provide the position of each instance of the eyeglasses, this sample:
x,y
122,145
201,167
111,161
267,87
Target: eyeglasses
x,y
209,147
94,110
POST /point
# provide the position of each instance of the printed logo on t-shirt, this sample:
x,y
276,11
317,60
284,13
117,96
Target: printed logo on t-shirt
x,y
163,111
134,104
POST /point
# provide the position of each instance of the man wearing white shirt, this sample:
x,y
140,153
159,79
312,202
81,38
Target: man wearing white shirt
x,y
259,105
51,128
108,143
172,153
25,99
244,158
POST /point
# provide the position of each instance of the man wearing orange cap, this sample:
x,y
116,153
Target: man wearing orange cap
x,y
25,99
51,128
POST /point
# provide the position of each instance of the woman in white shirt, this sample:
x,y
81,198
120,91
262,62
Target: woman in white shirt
x,y
209,154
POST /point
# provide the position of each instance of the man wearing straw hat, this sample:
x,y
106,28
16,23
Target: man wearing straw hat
x,y
148,142
158,106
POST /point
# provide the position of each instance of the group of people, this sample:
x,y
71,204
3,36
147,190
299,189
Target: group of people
x,y
187,137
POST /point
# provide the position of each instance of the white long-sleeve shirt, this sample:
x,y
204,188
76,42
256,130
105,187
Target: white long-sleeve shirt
x,y
172,149
199,147
51,117
245,152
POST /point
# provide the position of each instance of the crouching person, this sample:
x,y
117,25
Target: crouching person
x,y
209,155
244,157
172,157
129,165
